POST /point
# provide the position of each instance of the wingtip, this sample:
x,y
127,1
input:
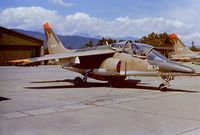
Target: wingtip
x,y
46,26
20,61
173,35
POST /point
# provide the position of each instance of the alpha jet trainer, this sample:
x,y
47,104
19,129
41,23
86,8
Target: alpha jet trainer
x,y
114,62
182,53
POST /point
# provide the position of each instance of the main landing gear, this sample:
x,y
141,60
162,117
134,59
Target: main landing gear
x,y
116,81
165,84
79,82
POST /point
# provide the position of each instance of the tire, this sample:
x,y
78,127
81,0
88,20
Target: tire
x,y
112,83
116,81
78,82
162,87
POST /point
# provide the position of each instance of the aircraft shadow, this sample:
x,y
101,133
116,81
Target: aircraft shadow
x,y
65,80
126,84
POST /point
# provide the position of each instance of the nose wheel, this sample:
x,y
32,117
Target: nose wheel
x,y
163,87
165,82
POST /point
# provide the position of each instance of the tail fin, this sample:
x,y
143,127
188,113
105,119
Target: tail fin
x,y
179,46
53,43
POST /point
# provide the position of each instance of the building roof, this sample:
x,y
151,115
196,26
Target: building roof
x,y
20,35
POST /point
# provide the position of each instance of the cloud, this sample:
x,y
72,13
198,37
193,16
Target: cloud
x,y
29,18
32,18
188,12
61,3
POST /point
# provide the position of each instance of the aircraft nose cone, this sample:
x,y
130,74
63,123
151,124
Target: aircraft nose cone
x,y
187,70
183,68
170,66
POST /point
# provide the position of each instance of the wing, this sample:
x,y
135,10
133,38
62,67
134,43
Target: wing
x,y
193,56
64,55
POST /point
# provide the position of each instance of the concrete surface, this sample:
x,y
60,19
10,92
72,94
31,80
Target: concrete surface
x,y
43,101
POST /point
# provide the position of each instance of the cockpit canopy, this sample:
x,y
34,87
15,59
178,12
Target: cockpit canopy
x,y
139,50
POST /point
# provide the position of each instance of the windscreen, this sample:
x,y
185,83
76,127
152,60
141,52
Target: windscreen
x,y
140,49
154,55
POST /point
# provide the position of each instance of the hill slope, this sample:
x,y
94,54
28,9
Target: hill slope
x,y
73,42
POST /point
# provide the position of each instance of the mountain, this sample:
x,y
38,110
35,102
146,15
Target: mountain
x,y
73,42
128,38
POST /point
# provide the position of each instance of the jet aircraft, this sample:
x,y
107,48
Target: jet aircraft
x,y
182,53
113,62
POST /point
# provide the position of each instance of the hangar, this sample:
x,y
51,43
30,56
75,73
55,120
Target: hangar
x,y
15,45
165,50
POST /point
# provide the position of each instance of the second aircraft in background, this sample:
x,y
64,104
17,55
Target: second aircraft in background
x,y
182,53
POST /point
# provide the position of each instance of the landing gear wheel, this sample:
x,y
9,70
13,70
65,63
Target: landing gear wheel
x,y
116,81
112,83
78,82
162,87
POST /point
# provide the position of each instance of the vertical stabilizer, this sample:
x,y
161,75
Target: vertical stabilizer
x,y
53,43
179,46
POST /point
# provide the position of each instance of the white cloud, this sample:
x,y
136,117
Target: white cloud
x,y
61,3
32,18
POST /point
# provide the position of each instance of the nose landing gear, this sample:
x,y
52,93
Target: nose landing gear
x,y
165,84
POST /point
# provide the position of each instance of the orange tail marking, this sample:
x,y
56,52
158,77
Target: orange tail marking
x,y
173,35
46,26
173,38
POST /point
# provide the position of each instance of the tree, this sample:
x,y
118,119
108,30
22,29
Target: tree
x,y
104,40
89,44
155,39
46,51
193,47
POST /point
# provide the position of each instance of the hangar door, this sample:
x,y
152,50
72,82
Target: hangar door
x,y
12,53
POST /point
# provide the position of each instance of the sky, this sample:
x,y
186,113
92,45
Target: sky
x,y
108,18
